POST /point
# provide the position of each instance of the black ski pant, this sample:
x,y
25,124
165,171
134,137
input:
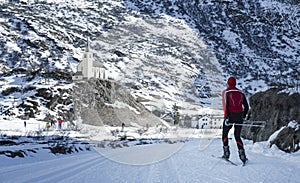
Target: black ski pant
x,y
233,118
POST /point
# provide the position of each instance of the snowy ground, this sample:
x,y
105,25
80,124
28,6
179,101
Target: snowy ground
x,y
159,158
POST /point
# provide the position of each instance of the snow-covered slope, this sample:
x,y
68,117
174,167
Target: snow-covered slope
x,y
257,41
165,51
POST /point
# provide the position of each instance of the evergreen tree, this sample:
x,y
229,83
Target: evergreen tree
x,y
176,114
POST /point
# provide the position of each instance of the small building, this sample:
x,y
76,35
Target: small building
x,y
186,121
208,122
194,121
89,68
204,122
217,121
167,117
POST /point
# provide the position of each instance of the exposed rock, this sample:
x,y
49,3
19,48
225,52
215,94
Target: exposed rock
x,y
45,93
57,100
287,139
30,107
102,102
277,109
10,90
95,102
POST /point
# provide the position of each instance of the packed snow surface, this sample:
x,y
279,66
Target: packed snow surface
x,y
158,155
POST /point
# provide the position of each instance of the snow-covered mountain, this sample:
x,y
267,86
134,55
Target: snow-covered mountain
x,y
165,52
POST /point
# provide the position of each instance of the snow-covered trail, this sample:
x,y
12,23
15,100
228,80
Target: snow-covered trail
x,y
179,162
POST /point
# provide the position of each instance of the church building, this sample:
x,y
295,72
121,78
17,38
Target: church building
x,y
89,68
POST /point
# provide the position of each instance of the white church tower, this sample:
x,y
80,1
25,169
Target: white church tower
x,y
87,62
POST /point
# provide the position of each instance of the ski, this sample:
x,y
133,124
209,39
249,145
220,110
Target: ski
x,y
244,164
227,160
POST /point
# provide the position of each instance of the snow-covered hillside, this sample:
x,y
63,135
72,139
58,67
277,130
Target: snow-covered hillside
x,y
165,52
159,57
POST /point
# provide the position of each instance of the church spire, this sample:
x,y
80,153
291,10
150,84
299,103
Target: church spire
x,y
87,49
87,45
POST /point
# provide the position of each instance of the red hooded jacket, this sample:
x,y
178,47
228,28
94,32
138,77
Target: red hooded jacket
x,y
233,99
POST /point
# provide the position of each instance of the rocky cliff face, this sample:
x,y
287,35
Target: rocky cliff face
x,y
278,109
99,102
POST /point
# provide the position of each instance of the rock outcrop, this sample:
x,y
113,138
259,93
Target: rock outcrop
x,y
103,102
288,138
278,109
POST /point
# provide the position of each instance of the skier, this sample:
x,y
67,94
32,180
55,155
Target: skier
x,y
59,122
47,126
235,108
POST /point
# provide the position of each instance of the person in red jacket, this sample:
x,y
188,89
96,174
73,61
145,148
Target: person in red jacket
x,y
59,122
235,108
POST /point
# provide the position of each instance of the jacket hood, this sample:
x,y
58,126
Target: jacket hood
x,y
231,82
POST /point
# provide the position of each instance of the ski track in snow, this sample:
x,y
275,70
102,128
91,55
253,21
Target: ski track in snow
x,y
50,170
189,163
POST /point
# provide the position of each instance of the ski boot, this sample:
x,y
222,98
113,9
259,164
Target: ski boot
x,y
226,152
243,156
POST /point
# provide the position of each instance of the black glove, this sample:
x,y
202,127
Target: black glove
x,y
226,121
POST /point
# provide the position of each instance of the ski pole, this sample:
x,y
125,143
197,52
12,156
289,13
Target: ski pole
x,y
244,124
260,123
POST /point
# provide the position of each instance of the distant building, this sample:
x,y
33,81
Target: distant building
x,y
204,122
167,117
210,121
186,121
89,68
207,121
